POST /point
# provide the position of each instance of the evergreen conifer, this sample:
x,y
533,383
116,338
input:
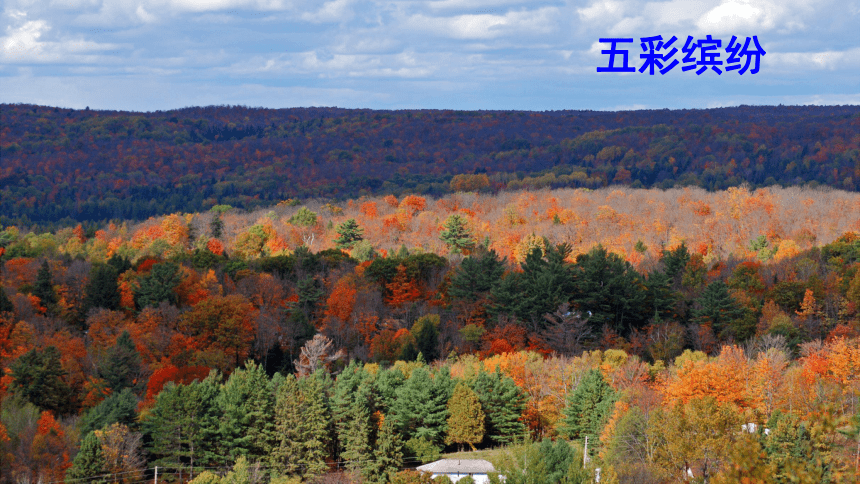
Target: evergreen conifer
x,y
503,404
5,303
719,308
158,285
89,462
302,421
118,407
476,276
37,378
349,234
456,236
44,288
246,404
101,290
588,407
120,365
421,407
388,456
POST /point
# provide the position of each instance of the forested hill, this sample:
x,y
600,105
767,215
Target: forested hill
x,y
64,165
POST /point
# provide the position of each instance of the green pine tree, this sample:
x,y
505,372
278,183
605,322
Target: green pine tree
x,y
120,365
352,403
303,218
37,376
503,404
118,407
465,418
612,290
660,296
182,427
302,421
44,288
246,404
476,277
287,452
421,410
349,234
356,439
240,473
158,285
546,282
386,384
456,236
101,290
216,226
388,455
426,334
675,261
719,308
588,407
89,462
316,437
6,305
119,263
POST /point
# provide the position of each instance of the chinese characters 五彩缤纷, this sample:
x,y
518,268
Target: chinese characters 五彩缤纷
x,y
658,55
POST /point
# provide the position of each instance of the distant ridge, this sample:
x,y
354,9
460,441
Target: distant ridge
x,y
63,166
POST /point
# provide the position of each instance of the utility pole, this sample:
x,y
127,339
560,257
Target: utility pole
x,y
156,475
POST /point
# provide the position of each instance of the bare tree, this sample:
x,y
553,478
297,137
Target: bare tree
x,y
566,331
315,355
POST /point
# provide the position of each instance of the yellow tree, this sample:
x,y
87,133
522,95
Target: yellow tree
x,y
465,417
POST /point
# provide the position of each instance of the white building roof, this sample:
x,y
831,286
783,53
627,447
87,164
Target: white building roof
x,y
458,466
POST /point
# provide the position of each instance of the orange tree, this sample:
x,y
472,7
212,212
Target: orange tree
x,y
225,323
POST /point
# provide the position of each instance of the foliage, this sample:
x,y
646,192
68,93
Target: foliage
x,y
503,404
246,403
158,285
387,457
349,234
102,290
303,218
465,417
89,462
540,463
711,149
588,407
119,407
120,365
456,235
420,409
37,376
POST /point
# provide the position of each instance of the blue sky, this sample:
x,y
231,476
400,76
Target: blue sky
x,y
461,54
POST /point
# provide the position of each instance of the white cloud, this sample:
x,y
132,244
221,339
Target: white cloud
x,y
493,6
485,26
604,11
333,11
25,44
826,60
631,26
326,65
734,16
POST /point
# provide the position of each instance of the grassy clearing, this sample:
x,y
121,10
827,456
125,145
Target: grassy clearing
x,y
486,454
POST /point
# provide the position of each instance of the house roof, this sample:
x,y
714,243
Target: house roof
x,y
461,466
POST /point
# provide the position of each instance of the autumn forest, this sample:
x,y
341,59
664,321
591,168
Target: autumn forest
x,y
241,295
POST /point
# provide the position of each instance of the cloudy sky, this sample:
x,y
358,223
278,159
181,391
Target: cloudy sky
x,y
391,54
